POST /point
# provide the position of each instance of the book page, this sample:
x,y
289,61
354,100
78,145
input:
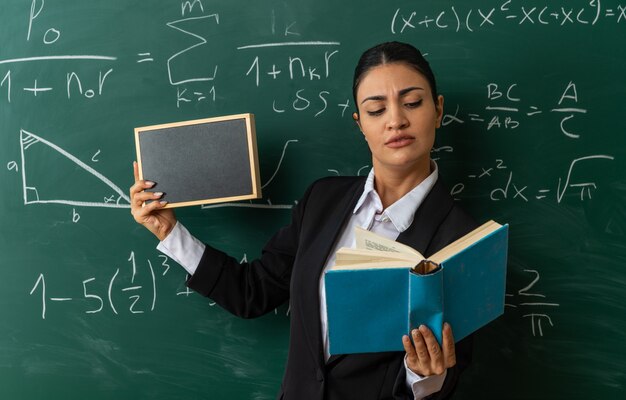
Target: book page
x,y
370,241
373,265
465,241
348,256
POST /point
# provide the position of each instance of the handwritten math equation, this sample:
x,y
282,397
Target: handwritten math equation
x,y
509,12
532,304
122,296
120,292
509,188
505,111
195,80
262,69
73,84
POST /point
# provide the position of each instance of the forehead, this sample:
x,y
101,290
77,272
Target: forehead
x,y
391,78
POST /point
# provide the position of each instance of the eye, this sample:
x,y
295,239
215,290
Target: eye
x,y
376,112
414,104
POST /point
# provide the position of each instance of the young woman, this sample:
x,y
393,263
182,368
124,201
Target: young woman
x,y
402,198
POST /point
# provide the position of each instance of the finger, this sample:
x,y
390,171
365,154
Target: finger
x,y
409,349
137,199
434,351
431,342
155,205
420,347
449,352
142,183
140,186
142,214
145,196
136,170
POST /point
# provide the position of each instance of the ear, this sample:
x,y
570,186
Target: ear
x,y
439,108
355,117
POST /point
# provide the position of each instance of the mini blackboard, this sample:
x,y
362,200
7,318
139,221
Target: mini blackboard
x,y
203,161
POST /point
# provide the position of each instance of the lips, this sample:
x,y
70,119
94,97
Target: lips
x,y
399,141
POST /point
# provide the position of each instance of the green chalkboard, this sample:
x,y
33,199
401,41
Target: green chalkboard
x,y
534,135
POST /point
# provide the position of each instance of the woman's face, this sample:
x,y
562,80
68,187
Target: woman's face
x,y
398,116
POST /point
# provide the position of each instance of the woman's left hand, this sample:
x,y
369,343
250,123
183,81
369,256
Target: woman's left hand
x,y
424,356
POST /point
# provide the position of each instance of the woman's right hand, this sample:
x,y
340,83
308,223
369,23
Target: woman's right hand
x,y
153,216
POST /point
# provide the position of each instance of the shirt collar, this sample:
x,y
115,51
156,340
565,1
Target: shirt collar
x,y
401,212
367,190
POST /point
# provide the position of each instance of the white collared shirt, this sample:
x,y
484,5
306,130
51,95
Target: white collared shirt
x,y
368,213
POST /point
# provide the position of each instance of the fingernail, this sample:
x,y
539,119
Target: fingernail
x,y
149,183
157,194
164,202
416,332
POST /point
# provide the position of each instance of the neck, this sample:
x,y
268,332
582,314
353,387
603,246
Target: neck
x,y
393,183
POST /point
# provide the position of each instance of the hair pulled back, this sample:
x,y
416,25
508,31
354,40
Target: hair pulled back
x,y
393,52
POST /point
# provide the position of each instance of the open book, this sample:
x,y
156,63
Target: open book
x,y
380,290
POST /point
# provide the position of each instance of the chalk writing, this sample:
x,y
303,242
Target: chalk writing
x,y
31,194
186,77
511,189
94,300
283,44
144,57
503,110
358,172
269,204
187,6
73,78
471,20
51,35
292,68
529,307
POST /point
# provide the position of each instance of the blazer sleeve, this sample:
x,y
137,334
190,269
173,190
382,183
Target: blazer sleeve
x,y
254,288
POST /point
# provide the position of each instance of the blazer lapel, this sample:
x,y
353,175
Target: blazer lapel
x,y
332,220
428,218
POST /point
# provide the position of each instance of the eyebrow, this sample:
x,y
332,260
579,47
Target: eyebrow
x,y
400,94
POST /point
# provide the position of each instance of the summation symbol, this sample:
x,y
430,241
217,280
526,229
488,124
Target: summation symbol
x,y
201,42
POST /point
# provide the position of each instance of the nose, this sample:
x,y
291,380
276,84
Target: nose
x,y
397,118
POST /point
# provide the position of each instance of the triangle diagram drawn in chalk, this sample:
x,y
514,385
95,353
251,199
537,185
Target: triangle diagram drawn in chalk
x,y
52,175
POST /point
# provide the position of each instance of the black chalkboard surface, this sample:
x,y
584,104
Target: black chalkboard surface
x,y
534,134
204,161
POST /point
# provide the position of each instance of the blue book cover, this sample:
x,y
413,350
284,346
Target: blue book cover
x,y
351,322
370,306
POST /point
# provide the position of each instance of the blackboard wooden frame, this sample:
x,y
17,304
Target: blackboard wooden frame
x,y
244,186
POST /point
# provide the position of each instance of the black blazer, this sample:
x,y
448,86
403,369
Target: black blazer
x,y
290,267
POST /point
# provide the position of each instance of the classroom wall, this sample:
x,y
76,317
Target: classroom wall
x,y
533,135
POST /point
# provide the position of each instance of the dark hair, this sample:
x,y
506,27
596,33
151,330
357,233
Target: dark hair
x,y
393,52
